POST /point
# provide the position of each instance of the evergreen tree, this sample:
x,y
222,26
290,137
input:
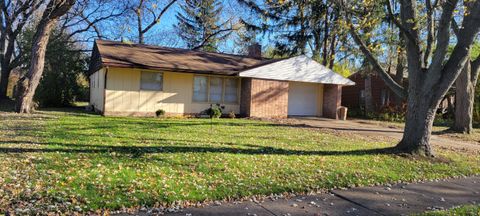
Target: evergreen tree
x,y
199,24
244,39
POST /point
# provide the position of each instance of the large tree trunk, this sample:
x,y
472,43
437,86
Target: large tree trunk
x,y
6,68
28,84
418,125
464,99
5,75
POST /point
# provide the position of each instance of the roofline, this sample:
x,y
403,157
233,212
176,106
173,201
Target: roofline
x,y
350,83
234,72
155,46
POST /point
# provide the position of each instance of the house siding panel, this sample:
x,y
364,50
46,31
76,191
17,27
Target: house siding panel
x,y
97,90
124,97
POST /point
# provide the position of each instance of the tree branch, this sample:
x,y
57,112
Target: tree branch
x,y
394,86
402,28
207,39
459,56
410,20
157,20
455,27
475,65
443,36
430,32
92,24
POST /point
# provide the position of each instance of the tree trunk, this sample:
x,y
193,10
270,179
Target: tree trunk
x,y
399,74
333,42
28,84
418,125
464,99
368,94
6,68
325,40
5,75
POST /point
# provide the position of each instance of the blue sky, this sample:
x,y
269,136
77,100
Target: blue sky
x,y
164,33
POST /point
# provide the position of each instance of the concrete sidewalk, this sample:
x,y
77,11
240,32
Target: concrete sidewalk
x,y
400,199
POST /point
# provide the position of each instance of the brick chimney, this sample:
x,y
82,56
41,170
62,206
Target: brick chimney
x,y
255,50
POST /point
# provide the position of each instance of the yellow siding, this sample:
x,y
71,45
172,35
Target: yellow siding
x,y
97,86
123,94
320,100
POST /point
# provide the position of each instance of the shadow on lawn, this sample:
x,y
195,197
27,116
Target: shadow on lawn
x,y
157,145
138,151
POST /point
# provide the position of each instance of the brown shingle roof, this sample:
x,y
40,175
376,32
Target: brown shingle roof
x,y
118,54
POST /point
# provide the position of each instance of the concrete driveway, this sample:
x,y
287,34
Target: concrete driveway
x,y
374,130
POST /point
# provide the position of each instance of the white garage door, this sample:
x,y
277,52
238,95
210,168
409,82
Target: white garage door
x,y
302,99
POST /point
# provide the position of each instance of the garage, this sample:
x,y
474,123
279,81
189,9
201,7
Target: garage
x,y
303,99
297,86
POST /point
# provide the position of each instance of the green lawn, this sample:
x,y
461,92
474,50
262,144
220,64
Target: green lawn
x,y
470,210
91,162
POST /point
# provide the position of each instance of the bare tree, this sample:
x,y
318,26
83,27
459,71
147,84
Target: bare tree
x,y
145,8
28,84
430,72
87,15
14,16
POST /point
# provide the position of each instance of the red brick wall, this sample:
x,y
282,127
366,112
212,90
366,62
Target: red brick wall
x,y
332,99
268,98
245,96
351,94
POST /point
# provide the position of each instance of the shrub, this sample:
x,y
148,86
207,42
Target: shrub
x,y
215,111
160,113
231,114
392,113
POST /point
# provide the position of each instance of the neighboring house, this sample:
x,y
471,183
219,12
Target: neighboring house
x,y
353,97
137,80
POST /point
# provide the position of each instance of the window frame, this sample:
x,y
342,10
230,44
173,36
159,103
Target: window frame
x,y
207,93
222,101
151,90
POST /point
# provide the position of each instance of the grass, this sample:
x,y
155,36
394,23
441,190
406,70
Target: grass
x,y
66,161
471,210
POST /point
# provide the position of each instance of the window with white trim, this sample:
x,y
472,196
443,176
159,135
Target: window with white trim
x,y
213,89
151,81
